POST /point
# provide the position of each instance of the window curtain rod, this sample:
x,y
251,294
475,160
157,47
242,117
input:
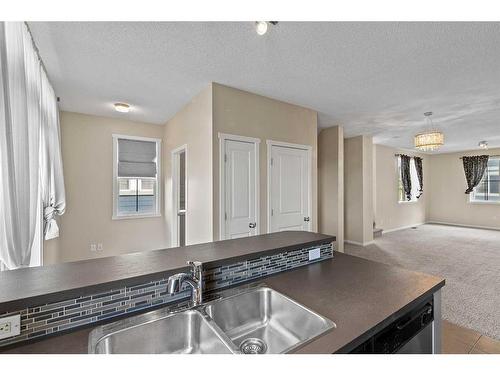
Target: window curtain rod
x,y
461,157
37,51
491,156
406,155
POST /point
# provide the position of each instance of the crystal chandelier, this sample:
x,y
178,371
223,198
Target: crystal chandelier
x,y
430,140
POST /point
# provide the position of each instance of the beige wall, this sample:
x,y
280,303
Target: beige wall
x,y
243,113
87,158
367,189
389,213
366,186
358,189
331,183
51,249
448,201
87,146
192,126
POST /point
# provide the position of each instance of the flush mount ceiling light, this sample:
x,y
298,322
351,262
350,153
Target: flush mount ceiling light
x,y
262,26
483,144
430,140
122,107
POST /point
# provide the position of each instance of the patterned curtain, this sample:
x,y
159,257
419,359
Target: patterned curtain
x,y
420,175
405,175
474,167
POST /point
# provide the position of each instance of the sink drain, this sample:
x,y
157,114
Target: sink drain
x,y
253,346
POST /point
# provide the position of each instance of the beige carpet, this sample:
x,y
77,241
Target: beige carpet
x,y
469,260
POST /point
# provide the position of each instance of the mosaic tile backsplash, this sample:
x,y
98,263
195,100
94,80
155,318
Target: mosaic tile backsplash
x,y
60,316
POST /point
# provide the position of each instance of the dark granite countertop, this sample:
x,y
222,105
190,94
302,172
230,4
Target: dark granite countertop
x,y
359,295
40,285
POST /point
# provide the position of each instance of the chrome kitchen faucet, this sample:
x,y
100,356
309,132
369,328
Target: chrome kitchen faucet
x,y
194,279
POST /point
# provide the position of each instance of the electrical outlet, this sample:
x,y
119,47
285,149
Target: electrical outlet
x,y
5,327
314,254
99,247
93,247
10,326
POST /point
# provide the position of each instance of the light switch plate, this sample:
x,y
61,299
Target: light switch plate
x,y
314,254
10,326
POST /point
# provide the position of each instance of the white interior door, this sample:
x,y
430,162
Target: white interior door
x,y
240,190
289,189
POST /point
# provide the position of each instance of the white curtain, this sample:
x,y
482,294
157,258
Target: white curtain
x,y
51,172
415,183
29,164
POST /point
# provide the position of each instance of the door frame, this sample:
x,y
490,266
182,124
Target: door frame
x,y
223,137
308,148
175,191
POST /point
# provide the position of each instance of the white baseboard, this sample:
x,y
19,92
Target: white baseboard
x,y
383,232
461,225
401,228
359,243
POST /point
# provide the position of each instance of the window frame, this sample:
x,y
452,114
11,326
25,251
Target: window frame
x,y
120,216
471,199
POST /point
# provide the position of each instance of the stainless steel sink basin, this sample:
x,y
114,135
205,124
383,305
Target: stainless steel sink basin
x,y
184,332
254,320
265,321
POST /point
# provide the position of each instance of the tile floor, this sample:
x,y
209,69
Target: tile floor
x,y
461,340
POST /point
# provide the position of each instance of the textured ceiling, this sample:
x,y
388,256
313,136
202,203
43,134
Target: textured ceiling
x,y
372,78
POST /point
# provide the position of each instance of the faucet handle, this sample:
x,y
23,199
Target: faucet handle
x,y
197,268
194,263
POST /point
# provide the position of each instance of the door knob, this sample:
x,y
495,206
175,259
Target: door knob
x,y
252,225
306,218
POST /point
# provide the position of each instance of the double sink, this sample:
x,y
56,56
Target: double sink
x,y
254,320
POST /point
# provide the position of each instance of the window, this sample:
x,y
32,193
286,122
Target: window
x,y
415,185
488,189
136,166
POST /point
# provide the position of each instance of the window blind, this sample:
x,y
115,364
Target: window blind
x,y
136,158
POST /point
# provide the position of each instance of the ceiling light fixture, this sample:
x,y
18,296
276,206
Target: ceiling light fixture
x,y
483,144
430,140
261,27
122,107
